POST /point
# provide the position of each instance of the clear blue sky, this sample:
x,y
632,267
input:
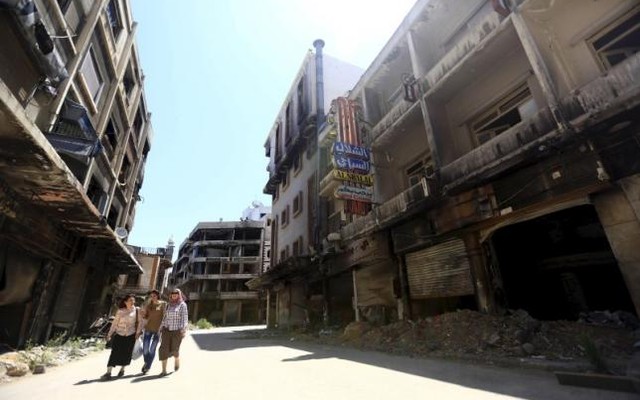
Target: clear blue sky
x,y
216,73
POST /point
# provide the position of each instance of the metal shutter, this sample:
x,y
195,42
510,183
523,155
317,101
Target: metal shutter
x,y
439,271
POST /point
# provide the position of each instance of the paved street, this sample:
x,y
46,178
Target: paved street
x,y
220,364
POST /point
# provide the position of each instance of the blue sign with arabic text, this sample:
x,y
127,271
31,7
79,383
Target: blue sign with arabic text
x,y
351,151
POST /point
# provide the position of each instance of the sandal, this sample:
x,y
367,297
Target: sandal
x,y
106,376
121,373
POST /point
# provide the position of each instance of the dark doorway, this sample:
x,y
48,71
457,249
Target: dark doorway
x,y
559,265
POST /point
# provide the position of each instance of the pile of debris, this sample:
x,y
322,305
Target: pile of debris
x,y
37,358
470,335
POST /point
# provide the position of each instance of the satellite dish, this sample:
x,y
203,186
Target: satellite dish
x,y
121,232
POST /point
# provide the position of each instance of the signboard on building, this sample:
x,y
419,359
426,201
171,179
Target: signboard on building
x,y
351,151
346,192
352,177
351,164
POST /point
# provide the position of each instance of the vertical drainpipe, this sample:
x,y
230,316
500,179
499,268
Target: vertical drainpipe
x,y
319,44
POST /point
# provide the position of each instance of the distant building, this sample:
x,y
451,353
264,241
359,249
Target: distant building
x,y
215,262
155,261
75,133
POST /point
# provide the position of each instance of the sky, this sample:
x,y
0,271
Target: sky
x,y
216,75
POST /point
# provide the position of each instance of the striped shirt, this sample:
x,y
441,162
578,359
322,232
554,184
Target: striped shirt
x,y
176,317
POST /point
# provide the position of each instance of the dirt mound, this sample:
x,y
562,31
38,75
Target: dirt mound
x,y
470,333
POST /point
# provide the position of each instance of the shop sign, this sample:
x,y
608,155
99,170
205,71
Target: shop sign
x,y
363,194
352,177
352,151
351,164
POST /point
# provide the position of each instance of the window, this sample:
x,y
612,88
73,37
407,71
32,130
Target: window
x,y
295,248
288,133
297,204
285,180
619,40
297,163
129,81
284,217
276,194
283,255
300,101
418,169
113,15
91,74
111,133
64,5
502,115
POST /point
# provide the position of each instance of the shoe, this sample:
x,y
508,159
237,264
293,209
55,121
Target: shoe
x,y
121,373
106,376
163,373
176,368
145,369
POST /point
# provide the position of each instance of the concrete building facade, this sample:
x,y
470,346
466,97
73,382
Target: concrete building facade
x,y
293,163
215,262
74,136
503,145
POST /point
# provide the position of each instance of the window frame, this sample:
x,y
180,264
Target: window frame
x,y
92,59
629,16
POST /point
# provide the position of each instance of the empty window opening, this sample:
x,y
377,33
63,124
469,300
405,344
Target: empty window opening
x,y
507,112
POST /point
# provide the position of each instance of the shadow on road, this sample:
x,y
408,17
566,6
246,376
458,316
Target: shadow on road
x,y
513,382
150,377
100,380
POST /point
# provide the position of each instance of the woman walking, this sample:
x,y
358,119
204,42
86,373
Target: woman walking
x,y
125,330
173,328
153,313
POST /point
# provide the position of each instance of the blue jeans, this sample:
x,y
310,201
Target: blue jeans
x,y
149,344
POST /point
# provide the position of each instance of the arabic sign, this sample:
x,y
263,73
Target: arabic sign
x,y
354,193
351,164
349,150
351,177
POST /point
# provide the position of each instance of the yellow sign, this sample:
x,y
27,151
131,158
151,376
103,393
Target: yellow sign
x,y
351,177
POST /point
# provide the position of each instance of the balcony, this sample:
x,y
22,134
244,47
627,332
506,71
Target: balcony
x,y
616,92
390,212
223,295
220,276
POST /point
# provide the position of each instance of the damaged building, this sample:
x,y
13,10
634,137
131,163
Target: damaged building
x,y
293,164
155,263
74,137
491,159
214,264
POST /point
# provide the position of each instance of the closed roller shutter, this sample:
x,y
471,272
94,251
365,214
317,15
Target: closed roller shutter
x,y
439,271
374,283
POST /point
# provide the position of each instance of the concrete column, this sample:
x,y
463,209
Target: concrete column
x,y
622,227
355,295
479,274
539,68
428,126
196,305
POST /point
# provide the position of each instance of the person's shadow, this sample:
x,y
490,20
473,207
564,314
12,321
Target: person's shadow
x,y
149,377
140,377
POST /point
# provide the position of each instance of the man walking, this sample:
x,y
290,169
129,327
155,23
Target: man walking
x,y
153,313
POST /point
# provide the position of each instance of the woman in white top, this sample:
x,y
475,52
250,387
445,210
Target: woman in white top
x,y
125,329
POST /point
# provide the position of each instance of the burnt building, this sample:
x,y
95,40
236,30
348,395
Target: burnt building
x,y
492,163
74,136
214,264
155,263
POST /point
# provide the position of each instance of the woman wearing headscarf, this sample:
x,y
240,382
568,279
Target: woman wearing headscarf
x,y
173,329
125,330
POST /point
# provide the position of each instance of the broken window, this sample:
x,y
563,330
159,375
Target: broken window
x,y
619,40
503,114
417,170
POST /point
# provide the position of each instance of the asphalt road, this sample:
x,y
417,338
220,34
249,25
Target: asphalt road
x,y
221,364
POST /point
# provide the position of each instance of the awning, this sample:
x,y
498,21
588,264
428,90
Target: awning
x,y
41,181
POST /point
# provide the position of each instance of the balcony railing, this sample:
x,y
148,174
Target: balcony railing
x,y
388,212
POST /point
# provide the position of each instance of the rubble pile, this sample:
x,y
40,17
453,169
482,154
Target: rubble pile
x,y
37,358
470,334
